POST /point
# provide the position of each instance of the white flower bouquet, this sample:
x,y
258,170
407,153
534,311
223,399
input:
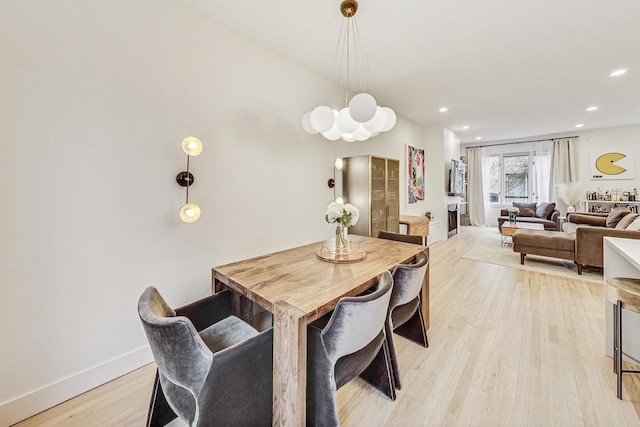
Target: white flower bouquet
x,y
344,215
513,213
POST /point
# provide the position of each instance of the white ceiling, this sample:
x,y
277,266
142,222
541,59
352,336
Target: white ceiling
x,y
506,68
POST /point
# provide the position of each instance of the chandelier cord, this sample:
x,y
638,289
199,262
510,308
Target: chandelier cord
x,y
366,82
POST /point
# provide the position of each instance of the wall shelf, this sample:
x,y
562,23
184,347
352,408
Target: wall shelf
x,y
606,205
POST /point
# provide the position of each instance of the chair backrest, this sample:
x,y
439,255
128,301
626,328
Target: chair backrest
x,y
407,238
408,279
181,355
356,321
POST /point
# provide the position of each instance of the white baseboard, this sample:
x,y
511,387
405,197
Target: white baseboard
x,y
50,395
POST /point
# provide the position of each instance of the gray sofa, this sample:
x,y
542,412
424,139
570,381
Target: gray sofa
x,y
542,213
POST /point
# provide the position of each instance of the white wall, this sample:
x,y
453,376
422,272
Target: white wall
x,y
436,185
613,139
96,98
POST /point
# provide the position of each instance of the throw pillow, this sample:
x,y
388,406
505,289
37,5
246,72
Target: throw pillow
x,y
526,209
635,225
626,221
545,209
615,216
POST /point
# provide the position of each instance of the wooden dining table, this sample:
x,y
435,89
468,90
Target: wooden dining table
x,y
297,287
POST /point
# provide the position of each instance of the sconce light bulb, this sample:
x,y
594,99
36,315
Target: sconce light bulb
x,y
190,212
338,163
192,146
340,200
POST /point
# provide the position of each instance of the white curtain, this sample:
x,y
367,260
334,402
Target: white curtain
x,y
564,163
477,197
542,171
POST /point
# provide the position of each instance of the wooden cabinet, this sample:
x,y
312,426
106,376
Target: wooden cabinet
x,y
372,184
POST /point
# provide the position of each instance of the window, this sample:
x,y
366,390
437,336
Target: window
x,y
509,178
516,178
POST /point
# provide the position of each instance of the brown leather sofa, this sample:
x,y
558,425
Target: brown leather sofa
x,y
541,213
590,228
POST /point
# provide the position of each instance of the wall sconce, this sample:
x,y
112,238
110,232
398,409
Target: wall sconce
x,y
337,164
192,147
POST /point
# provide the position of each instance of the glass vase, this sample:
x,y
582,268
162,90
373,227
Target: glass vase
x,y
341,240
512,217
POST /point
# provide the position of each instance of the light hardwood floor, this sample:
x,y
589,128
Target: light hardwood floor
x,y
508,347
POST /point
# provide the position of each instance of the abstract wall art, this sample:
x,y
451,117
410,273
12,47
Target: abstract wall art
x,y
415,174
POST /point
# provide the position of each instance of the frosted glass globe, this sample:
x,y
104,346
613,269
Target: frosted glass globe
x,y
192,146
361,134
322,118
345,123
348,137
190,212
306,124
362,107
391,119
377,122
338,163
332,134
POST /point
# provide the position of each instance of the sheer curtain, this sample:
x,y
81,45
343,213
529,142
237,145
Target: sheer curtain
x,y
564,163
542,188
478,163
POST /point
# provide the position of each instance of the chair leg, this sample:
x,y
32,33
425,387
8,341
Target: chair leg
x,y
414,329
379,374
160,413
393,357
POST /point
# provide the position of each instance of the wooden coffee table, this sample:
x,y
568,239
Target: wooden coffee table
x,y
508,228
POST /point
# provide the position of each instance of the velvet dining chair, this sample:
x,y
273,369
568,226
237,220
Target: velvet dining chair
x,y
405,308
347,343
213,368
398,237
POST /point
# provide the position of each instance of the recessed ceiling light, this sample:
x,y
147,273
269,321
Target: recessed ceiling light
x,y
592,108
478,138
617,73
443,109
465,127
579,125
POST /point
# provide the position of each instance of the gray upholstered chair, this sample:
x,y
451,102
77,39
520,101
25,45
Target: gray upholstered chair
x,y
221,375
345,344
407,238
405,308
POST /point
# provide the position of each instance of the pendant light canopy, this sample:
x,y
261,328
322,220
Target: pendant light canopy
x,y
352,111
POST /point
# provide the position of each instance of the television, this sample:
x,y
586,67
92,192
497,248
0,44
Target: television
x,y
456,178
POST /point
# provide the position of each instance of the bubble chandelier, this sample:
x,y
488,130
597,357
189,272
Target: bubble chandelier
x,y
355,118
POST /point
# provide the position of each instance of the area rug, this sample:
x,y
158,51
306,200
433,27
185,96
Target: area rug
x,y
490,250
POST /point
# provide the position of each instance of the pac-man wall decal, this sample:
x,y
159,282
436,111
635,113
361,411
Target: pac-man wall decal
x,y
618,163
607,163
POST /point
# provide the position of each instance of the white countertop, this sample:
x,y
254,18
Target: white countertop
x,y
628,248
